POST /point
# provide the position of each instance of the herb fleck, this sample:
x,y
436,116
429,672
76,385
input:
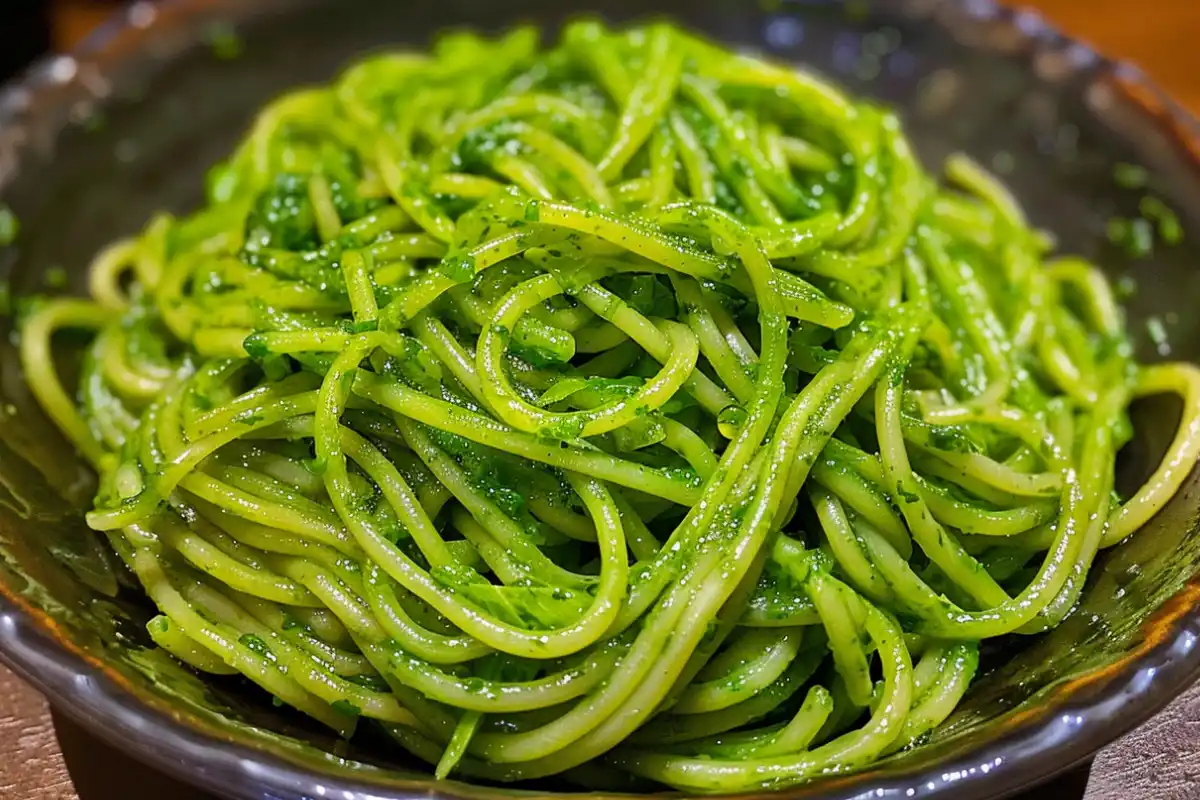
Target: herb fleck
x,y
1169,228
255,643
226,44
345,707
1135,237
56,277
10,226
1130,176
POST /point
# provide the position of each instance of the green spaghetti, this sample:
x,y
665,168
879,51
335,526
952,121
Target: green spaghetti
x,y
625,404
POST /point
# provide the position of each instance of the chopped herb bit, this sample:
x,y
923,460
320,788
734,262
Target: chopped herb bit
x,y
226,44
1130,176
276,367
255,346
248,418
1169,228
255,643
56,277
1134,237
10,226
372,682
346,707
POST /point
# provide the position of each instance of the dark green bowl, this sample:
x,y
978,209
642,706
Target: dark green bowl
x,y
91,145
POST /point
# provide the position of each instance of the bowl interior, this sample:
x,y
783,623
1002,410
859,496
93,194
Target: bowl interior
x,y
108,140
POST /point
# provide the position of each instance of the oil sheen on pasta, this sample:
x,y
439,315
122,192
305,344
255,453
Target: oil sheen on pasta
x,y
625,409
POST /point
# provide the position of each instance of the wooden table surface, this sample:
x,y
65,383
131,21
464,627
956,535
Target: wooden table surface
x,y
1159,761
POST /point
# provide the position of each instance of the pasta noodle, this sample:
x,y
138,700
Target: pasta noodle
x,y
623,402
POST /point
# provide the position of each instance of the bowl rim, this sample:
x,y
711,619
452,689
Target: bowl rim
x,y
1092,710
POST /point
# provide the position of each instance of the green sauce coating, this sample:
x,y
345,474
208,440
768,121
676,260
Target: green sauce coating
x,y
620,403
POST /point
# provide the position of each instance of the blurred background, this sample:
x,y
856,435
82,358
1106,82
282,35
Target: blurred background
x,y
48,758
1159,35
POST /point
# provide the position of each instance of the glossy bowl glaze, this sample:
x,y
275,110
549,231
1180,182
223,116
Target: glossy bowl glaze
x,y
91,145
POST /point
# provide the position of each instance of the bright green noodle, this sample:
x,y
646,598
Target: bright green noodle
x,y
481,398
